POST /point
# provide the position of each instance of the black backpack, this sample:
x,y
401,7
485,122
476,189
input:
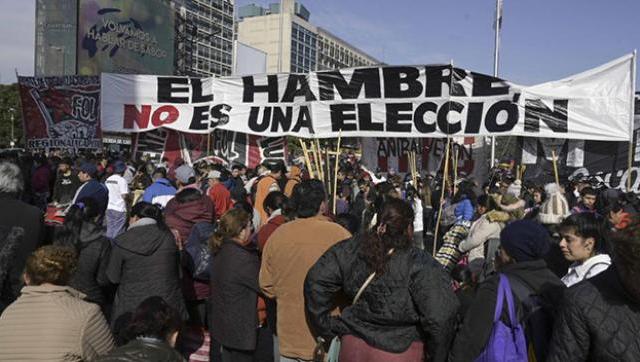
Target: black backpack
x,y
537,318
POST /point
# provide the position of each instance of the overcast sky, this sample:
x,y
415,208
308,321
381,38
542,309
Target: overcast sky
x,y
541,40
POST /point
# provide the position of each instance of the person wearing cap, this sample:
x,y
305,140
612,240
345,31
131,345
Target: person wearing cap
x,y
66,183
186,177
118,187
91,188
523,244
268,184
218,193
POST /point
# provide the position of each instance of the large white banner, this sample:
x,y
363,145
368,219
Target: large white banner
x,y
391,101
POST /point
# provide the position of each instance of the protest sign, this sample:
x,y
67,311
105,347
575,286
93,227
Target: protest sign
x,y
61,112
431,101
391,154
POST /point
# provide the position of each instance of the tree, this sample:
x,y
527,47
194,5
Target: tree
x,y
10,105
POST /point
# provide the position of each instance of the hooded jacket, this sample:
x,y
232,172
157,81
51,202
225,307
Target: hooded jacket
x,y
598,321
144,263
477,324
182,217
93,248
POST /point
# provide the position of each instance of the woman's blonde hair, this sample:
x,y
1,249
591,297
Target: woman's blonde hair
x,y
51,264
230,225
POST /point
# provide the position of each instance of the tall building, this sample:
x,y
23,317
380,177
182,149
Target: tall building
x,y
292,42
204,37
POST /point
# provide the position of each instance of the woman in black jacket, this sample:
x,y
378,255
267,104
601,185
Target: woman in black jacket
x,y
408,309
234,287
81,231
144,263
599,318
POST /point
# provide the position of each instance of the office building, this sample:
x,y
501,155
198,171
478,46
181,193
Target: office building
x,y
204,37
292,42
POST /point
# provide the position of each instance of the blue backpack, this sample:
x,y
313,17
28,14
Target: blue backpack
x,y
507,342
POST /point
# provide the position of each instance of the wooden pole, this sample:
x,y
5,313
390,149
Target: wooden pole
x,y
455,164
327,167
414,170
335,174
444,185
555,167
316,161
319,155
307,161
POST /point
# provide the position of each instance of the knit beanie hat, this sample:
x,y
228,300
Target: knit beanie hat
x,y
515,188
555,208
525,240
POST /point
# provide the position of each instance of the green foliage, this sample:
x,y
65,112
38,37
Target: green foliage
x,y
9,99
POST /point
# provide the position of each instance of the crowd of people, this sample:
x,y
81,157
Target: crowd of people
x,y
103,258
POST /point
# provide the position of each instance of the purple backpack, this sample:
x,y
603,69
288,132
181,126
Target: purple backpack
x,y
507,342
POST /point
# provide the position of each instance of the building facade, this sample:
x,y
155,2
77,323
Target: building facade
x,y
204,37
292,42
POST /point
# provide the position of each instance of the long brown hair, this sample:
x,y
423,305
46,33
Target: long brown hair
x,y
230,225
391,231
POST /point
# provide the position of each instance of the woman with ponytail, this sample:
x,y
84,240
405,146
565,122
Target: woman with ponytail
x,y
234,288
403,307
82,232
144,262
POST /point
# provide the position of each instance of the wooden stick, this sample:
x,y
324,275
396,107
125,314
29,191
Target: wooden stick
x,y
414,169
335,174
518,172
444,185
324,180
555,167
455,164
326,157
316,161
307,161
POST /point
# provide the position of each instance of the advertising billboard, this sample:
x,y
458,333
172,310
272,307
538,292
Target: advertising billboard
x,y
122,36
